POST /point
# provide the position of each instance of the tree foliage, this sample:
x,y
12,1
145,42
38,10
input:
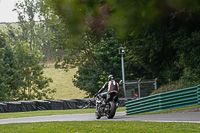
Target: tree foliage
x,y
6,71
21,74
162,38
90,76
36,34
29,79
168,47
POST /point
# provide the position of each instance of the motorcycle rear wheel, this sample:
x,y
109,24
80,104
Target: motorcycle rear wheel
x,y
112,110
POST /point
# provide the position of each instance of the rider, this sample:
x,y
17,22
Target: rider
x,y
112,86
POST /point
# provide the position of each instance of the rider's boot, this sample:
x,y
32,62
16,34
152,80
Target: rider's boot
x,y
117,104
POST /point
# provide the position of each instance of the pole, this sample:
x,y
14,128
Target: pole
x,y
139,88
123,78
155,83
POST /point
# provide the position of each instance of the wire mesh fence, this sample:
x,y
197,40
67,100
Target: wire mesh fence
x,y
140,88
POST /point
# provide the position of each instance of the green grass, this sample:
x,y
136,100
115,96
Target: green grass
x,y
100,127
50,112
62,82
174,85
93,126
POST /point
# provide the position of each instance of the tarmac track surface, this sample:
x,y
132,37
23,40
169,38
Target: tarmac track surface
x,y
191,117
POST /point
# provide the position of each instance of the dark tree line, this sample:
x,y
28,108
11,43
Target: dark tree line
x,y
162,38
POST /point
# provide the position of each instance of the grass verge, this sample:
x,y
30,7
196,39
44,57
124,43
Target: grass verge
x,y
50,112
99,127
62,82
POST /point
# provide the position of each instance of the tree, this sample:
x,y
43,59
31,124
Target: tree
x,y
6,70
21,73
91,77
28,78
27,11
36,34
166,47
160,35
98,15
95,59
89,50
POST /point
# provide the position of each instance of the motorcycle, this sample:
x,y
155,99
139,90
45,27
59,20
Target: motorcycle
x,y
106,108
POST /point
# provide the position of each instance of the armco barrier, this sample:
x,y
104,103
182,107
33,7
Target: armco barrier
x,y
164,101
198,93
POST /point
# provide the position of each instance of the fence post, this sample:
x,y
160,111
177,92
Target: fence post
x,y
155,84
198,94
139,88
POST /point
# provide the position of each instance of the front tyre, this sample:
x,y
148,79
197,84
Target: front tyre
x,y
112,110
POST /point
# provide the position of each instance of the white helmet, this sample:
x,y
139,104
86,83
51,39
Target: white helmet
x,y
110,77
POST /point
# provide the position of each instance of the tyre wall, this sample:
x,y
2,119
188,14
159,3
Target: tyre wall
x,y
23,106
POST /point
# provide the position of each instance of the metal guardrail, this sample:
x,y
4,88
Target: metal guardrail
x,y
198,93
164,101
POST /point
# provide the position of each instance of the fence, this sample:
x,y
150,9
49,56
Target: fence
x,y
142,88
164,101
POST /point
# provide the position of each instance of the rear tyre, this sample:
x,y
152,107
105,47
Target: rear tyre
x,y
112,110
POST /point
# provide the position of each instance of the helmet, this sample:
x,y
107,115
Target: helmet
x,y
110,77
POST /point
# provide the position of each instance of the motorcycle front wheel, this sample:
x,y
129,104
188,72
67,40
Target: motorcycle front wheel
x,y
112,110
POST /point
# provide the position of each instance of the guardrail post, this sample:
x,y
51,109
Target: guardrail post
x,y
139,88
155,84
198,94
